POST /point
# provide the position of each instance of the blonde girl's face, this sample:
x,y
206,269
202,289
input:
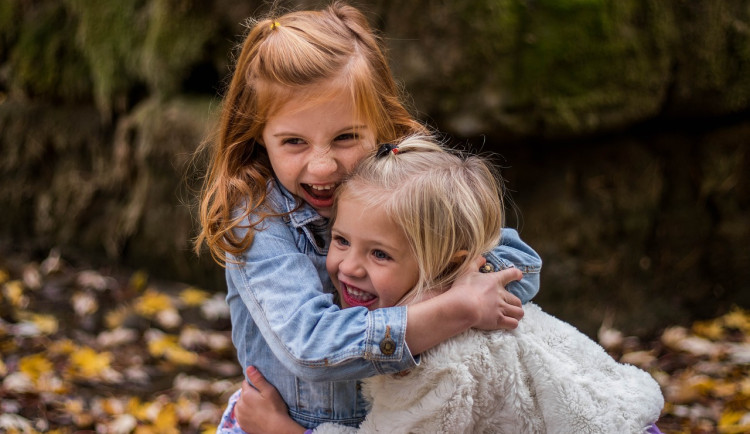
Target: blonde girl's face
x,y
314,143
369,260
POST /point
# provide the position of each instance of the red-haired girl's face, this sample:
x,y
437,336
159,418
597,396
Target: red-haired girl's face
x,y
313,143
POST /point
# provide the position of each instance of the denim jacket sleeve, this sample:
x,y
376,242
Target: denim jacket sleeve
x,y
280,286
513,252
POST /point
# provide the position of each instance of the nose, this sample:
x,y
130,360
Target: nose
x,y
351,265
322,164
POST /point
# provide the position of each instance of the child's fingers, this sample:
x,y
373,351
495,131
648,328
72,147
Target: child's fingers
x,y
258,380
509,275
512,310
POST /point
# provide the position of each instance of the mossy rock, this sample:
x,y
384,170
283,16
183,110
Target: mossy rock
x,y
545,68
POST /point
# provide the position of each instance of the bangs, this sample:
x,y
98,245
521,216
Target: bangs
x,y
353,81
368,101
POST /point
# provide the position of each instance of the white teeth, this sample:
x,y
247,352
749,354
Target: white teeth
x,y
361,295
322,187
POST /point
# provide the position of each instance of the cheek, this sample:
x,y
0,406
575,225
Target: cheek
x,y
355,155
332,264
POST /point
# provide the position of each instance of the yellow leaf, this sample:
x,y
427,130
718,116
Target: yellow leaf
x,y
115,318
702,384
3,369
73,406
89,363
158,344
152,302
739,319
137,409
62,347
713,329
166,421
744,387
47,324
4,276
138,280
193,296
208,429
186,408
34,366
725,389
729,417
13,291
181,356
167,346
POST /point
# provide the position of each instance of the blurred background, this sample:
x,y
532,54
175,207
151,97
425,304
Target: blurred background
x,y
622,128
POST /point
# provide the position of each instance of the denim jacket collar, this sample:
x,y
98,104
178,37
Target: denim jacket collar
x,y
304,218
298,215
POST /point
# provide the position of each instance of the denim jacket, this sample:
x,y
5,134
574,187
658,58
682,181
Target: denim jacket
x,y
285,321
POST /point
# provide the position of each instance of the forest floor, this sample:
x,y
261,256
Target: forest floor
x,y
85,350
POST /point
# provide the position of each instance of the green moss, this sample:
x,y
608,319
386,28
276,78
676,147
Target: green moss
x,y
178,33
591,58
128,42
8,25
110,36
44,59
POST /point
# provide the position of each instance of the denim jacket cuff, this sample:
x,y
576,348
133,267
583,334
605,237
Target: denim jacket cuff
x,y
502,264
386,345
528,286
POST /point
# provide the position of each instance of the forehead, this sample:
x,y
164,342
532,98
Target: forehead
x,y
363,215
298,107
276,97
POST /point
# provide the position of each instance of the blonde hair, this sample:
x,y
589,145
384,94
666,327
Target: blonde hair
x,y
281,57
448,204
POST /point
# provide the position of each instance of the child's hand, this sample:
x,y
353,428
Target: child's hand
x,y
495,306
262,410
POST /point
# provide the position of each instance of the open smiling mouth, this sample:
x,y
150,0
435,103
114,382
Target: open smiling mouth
x,y
320,191
320,195
356,297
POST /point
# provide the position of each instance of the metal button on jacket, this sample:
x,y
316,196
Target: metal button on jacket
x,y
387,345
486,268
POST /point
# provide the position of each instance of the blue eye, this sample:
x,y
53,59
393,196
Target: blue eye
x,y
341,241
379,254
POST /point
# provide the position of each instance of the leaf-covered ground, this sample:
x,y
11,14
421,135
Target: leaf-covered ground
x,y
85,350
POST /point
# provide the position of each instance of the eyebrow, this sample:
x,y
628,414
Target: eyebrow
x,y
341,131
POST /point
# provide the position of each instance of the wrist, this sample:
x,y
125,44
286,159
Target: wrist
x,y
461,306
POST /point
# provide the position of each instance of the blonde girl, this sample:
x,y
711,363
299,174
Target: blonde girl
x,y
406,224
310,96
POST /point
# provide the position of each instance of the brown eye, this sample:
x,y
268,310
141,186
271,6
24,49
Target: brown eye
x,y
293,141
347,136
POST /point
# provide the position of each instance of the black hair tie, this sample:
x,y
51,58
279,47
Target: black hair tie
x,y
385,148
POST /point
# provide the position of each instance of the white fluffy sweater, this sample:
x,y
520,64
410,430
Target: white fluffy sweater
x,y
543,377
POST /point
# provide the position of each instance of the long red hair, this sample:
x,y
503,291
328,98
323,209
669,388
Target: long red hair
x,y
280,57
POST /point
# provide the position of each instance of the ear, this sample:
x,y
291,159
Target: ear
x,y
459,257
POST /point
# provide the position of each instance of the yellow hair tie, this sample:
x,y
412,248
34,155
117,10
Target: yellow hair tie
x,y
275,25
